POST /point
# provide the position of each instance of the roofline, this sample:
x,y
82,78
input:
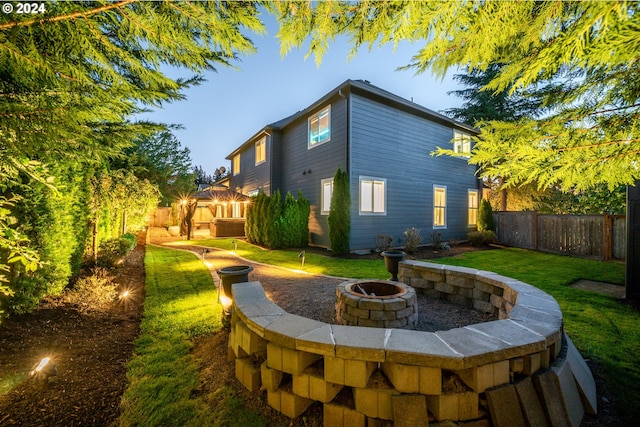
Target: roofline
x,y
361,87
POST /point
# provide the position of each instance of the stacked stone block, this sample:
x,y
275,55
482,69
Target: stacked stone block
x,y
390,312
461,377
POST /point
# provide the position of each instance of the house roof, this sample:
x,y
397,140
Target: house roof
x,y
219,192
362,87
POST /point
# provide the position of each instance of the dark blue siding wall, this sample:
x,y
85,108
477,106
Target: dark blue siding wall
x,y
303,169
252,176
396,145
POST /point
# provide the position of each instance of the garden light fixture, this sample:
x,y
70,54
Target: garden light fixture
x,y
44,369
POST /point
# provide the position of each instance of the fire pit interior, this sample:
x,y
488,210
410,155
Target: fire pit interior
x,y
377,303
376,289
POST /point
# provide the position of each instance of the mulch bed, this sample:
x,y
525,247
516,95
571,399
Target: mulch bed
x,y
91,350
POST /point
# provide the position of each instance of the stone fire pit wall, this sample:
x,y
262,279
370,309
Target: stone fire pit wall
x,y
480,375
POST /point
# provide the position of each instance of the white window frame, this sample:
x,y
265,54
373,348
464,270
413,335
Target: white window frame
x,y
316,119
236,164
261,150
325,205
373,182
436,189
472,207
462,143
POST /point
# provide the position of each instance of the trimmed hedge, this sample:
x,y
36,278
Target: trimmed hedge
x,y
275,223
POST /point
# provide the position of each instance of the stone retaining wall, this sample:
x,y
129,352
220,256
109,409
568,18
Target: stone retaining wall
x,y
362,375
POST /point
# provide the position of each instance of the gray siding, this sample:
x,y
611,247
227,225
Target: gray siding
x,y
396,145
252,176
303,169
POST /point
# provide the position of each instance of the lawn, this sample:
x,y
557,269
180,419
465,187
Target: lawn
x,y
602,328
313,263
180,305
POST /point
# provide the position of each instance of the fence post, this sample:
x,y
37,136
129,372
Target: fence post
x,y
607,241
535,230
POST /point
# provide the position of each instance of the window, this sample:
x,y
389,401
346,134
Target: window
x,y
253,193
320,128
236,209
473,208
261,150
327,192
439,206
461,142
236,164
372,196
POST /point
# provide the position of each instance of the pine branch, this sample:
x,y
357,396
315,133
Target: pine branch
x,y
82,14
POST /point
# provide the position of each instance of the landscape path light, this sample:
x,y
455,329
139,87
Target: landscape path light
x,y
44,369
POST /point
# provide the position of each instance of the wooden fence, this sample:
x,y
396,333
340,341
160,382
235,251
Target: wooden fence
x,y
589,236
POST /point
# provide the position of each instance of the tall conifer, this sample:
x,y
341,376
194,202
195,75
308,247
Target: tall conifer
x,y
340,214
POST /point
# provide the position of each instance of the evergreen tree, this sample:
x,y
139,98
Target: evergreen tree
x,y
340,214
483,105
581,57
485,216
71,80
161,159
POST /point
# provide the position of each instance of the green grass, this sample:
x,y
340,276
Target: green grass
x,y
180,305
314,263
601,328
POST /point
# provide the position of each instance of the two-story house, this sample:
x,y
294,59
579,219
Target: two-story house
x,y
385,143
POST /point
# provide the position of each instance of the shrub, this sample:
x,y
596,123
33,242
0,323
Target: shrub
x,y
94,291
485,216
131,239
276,224
436,240
340,214
383,242
112,250
412,239
479,238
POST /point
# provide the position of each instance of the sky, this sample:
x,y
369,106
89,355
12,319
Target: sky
x,y
233,104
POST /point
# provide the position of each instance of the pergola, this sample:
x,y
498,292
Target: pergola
x,y
222,210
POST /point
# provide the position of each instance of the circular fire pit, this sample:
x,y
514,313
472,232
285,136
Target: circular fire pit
x,y
377,303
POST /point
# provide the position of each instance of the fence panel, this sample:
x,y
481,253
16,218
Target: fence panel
x,y
516,229
576,235
619,237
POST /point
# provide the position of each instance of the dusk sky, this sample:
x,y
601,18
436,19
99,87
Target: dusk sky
x,y
232,105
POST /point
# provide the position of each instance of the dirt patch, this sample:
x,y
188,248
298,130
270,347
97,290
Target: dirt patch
x,y
616,291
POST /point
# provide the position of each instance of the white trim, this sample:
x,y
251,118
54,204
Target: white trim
x,y
322,195
373,182
316,117
477,206
236,167
262,142
461,143
439,187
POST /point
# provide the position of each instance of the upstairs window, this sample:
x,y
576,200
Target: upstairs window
x,y
261,150
373,196
461,142
320,128
236,164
